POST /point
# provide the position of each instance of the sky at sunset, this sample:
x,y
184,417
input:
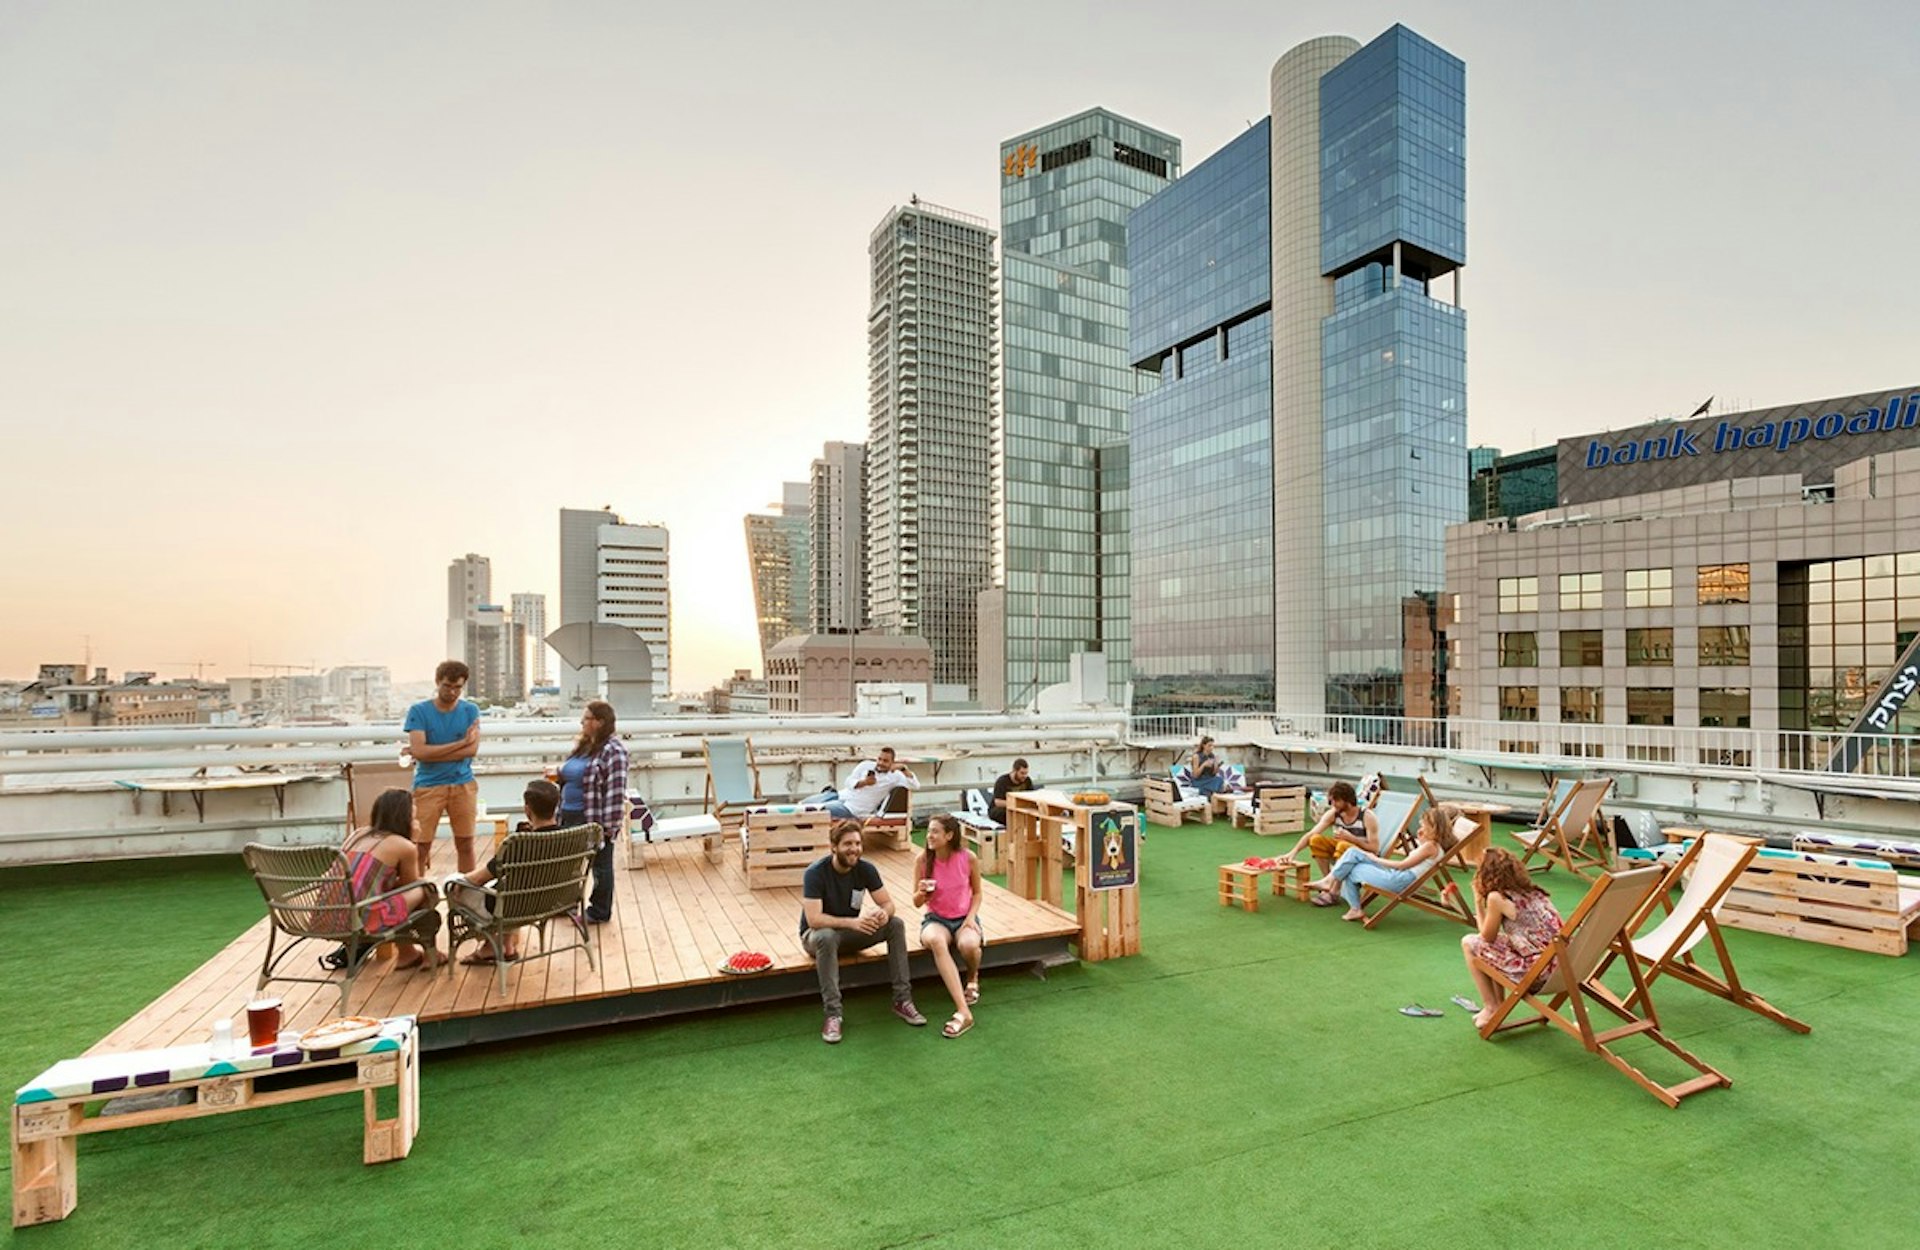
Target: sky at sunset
x,y
300,301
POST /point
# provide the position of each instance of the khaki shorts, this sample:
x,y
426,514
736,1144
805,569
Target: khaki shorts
x,y
459,804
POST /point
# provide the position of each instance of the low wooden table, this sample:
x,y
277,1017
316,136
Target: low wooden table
x,y
50,1111
1481,814
1240,884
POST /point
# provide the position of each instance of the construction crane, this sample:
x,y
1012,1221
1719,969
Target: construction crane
x,y
199,667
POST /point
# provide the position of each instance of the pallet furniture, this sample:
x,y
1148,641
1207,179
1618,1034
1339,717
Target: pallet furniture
x,y
1861,904
890,828
779,842
1240,883
704,826
1274,809
50,1112
1036,866
1166,804
982,832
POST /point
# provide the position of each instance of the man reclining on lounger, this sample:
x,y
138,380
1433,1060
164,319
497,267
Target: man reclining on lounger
x,y
542,802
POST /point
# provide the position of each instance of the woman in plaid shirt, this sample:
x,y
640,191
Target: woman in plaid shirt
x,y
593,787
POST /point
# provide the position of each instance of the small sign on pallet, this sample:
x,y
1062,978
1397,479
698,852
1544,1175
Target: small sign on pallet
x,y
1115,859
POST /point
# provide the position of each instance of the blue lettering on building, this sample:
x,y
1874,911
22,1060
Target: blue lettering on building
x,y
1902,413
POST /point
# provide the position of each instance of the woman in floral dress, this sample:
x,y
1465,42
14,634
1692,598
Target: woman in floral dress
x,y
1517,921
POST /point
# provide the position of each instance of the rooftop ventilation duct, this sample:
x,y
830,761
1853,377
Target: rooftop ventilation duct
x,y
621,651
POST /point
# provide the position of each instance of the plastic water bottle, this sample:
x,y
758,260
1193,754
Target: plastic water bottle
x,y
221,1047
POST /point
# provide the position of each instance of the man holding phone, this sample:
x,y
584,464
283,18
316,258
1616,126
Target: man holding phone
x,y
867,788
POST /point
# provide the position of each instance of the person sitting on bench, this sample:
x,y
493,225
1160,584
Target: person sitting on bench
x,y
1018,779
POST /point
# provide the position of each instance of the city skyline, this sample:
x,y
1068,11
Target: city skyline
x,y
277,344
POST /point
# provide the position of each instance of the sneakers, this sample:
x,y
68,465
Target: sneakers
x,y
830,1031
910,1013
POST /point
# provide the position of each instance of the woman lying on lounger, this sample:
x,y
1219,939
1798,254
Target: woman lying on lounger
x,y
1357,868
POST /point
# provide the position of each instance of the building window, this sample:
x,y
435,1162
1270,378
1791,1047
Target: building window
x,y
1649,705
1579,591
1519,594
1580,648
1649,588
1725,583
1725,644
1581,705
1727,707
1520,703
1136,159
1520,649
1650,648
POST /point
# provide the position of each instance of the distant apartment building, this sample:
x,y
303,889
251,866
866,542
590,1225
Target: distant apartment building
x,y
837,539
364,689
469,584
777,556
530,613
495,649
1060,449
616,574
823,672
933,359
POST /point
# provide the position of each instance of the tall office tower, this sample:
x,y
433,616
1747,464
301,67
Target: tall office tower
x,y
932,354
494,646
530,613
837,540
469,584
614,573
1060,540
777,554
1356,439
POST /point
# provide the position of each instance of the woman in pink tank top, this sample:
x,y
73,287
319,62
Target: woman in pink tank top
x,y
949,889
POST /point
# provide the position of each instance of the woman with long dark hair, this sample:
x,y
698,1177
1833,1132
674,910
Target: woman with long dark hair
x,y
382,857
593,787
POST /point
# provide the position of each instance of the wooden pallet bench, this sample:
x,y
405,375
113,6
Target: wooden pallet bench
x,y
1280,810
50,1111
1860,904
778,843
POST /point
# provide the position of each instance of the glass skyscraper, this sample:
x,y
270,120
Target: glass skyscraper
x,y
933,355
1333,456
1060,454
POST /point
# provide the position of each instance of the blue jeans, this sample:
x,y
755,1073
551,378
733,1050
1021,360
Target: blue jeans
x,y
830,799
600,898
1353,869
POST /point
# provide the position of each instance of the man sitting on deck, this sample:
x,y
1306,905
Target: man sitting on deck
x,y
833,919
1019,779
868,786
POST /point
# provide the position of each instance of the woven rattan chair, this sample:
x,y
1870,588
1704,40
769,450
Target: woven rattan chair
x,y
308,899
542,877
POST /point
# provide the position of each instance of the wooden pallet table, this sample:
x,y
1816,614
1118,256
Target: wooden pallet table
x,y
778,844
50,1111
1240,883
1106,858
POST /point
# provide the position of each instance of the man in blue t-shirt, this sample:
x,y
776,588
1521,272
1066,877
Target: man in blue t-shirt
x,y
833,919
443,736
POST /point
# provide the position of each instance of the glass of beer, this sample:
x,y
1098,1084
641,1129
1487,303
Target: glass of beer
x,y
263,1023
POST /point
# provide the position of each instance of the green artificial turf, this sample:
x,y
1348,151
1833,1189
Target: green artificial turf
x,y
1246,1081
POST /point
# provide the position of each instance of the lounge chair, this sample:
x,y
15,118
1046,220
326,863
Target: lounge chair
x,y
1434,889
1571,833
890,828
1397,818
1168,804
1710,867
733,779
309,899
543,878
1568,972
982,832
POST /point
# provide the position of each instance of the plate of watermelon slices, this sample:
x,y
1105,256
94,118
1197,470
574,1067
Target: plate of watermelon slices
x,y
746,963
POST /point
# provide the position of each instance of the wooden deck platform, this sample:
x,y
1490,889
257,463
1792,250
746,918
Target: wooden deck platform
x,y
673,923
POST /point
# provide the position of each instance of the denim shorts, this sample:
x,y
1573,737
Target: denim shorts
x,y
953,926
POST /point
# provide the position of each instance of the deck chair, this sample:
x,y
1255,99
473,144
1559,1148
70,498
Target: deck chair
x,y
1397,818
308,899
365,781
891,827
1571,834
733,779
1434,889
1567,972
1710,867
543,878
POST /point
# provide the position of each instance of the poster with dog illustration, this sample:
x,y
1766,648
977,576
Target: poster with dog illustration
x,y
1114,856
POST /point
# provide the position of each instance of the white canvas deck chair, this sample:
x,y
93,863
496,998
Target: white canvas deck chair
x,y
1396,817
1567,972
1709,868
733,779
1571,835
1433,889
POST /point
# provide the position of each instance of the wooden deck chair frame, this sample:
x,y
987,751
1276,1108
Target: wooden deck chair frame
x,y
1571,837
892,826
1443,897
1714,863
1568,971
728,801
1406,829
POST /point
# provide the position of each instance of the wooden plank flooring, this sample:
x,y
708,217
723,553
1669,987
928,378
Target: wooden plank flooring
x,y
673,923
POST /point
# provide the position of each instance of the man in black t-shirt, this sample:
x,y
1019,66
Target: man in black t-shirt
x,y
1018,779
833,894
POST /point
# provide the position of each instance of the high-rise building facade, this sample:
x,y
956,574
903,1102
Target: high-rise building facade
x,y
530,613
837,540
469,584
933,356
1365,426
495,647
615,573
1060,540
777,556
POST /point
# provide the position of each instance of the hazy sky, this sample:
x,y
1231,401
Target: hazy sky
x,y
300,301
